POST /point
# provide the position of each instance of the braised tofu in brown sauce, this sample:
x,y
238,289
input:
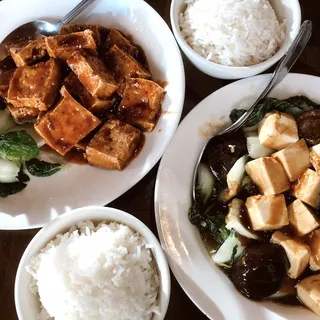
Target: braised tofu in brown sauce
x,y
66,124
72,28
29,53
114,145
125,66
141,103
23,115
88,88
63,46
35,86
93,74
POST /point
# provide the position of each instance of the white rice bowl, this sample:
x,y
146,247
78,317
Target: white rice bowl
x,y
232,32
102,272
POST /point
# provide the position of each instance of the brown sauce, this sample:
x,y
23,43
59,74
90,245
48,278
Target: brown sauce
x,y
162,84
75,155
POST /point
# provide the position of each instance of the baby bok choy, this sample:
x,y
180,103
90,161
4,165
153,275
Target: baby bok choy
x,y
6,120
230,250
255,148
234,179
205,183
8,171
233,219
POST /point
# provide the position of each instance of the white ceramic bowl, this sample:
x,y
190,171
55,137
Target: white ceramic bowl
x,y
285,9
27,304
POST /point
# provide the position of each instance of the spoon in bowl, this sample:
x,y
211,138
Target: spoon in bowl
x,y
35,29
282,69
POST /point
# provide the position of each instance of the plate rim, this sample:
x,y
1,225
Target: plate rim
x,y
173,265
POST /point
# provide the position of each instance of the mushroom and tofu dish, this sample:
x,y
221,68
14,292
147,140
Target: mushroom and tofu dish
x,y
88,90
257,202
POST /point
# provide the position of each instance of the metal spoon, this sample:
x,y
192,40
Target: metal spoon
x,y
33,30
282,69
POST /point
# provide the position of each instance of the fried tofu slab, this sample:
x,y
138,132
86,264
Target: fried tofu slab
x,y
72,28
114,145
23,115
68,123
81,94
35,86
93,74
141,103
29,53
63,46
125,66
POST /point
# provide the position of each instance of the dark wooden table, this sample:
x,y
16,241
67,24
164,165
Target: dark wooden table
x,y
139,200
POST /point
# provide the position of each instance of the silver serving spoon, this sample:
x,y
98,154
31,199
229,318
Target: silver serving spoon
x,y
282,69
33,30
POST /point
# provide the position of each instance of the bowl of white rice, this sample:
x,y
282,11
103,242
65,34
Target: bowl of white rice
x,y
93,263
233,39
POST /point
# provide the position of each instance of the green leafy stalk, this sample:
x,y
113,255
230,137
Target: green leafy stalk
x,y
295,106
6,189
41,168
18,146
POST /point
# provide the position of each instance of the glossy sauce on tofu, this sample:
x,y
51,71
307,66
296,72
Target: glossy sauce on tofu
x,y
75,86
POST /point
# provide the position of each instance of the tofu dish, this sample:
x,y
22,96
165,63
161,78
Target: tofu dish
x,y
257,203
88,91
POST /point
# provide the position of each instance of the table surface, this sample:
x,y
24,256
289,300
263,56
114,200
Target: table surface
x,y
139,200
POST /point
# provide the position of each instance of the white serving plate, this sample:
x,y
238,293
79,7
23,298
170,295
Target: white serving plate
x,y
81,185
207,286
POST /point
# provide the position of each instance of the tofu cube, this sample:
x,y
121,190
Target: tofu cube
x,y
72,28
5,78
298,253
307,188
63,46
269,175
114,145
308,291
23,115
35,86
314,244
267,212
29,53
294,159
125,66
315,157
81,94
302,219
278,130
141,103
93,74
68,123
115,37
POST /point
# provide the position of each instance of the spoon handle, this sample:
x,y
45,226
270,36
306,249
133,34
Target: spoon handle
x,y
281,70
84,4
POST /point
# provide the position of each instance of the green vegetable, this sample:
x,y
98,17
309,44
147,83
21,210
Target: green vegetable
x,y
213,224
18,146
8,171
230,250
6,189
295,106
22,177
41,168
205,183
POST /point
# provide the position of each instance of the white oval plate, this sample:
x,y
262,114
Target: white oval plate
x,y
204,283
81,185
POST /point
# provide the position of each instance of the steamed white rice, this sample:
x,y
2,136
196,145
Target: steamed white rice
x,y
232,32
103,272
